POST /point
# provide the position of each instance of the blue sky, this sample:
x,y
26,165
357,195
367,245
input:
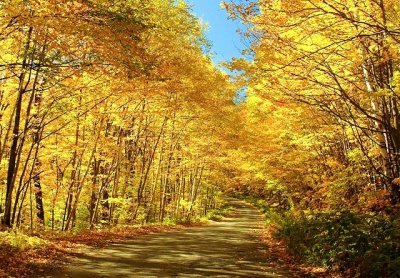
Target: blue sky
x,y
221,30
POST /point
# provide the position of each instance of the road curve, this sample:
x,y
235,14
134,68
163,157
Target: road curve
x,y
222,249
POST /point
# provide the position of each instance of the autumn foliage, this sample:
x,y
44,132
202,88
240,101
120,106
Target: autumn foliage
x,y
111,113
320,137
321,115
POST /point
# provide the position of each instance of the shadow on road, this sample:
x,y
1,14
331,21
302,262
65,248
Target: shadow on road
x,y
221,249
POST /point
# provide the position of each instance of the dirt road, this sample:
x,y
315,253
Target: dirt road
x,y
222,249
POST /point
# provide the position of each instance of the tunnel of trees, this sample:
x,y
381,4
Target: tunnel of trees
x,y
113,113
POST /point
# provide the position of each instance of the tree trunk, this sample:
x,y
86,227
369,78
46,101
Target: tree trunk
x,y
11,173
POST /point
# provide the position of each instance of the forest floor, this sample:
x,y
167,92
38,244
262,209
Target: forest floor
x,y
57,250
234,247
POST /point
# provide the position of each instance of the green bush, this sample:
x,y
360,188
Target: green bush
x,y
21,241
220,213
367,245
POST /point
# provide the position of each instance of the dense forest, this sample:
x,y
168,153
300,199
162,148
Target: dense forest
x,y
323,95
113,113
320,128
110,114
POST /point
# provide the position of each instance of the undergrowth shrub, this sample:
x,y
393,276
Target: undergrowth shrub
x,y
20,241
219,214
360,244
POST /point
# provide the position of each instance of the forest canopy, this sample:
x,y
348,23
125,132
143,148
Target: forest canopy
x,y
320,135
111,112
323,101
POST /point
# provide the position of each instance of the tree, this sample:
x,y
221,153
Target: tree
x,y
110,98
341,59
